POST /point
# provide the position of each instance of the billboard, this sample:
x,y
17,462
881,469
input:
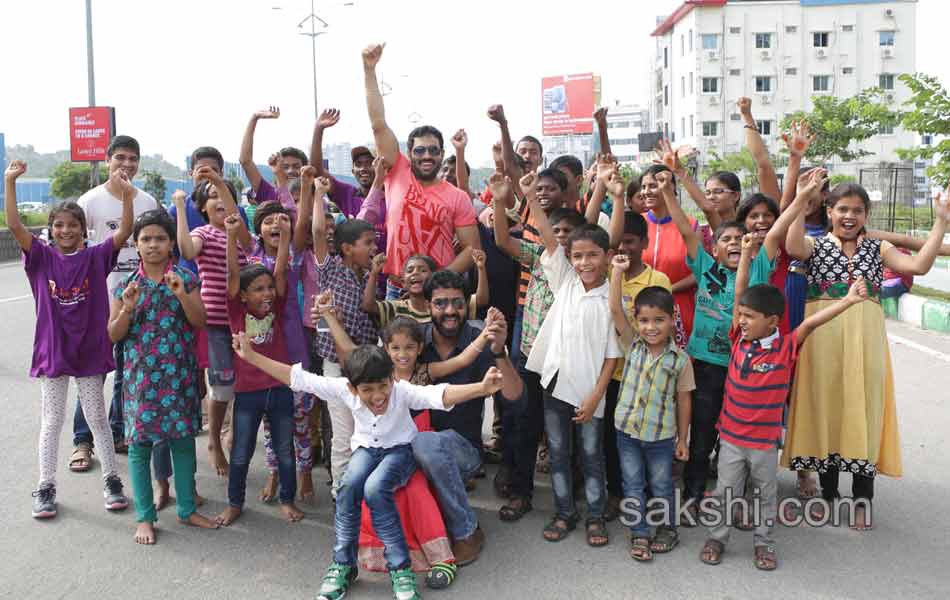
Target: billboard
x,y
567,104
90,130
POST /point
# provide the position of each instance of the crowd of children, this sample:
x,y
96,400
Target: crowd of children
x,y
366,333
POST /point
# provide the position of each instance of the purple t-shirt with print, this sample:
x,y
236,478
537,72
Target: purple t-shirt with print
x,y
72,309
292,323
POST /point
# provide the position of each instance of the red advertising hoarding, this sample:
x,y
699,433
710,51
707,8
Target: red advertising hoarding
x,y
90,130
567,104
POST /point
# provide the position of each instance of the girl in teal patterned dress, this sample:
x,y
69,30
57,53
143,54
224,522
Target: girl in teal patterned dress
x,y
154,313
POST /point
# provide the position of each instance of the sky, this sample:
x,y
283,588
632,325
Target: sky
x,y
181,74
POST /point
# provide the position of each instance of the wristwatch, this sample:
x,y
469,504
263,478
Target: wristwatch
x,y
502,354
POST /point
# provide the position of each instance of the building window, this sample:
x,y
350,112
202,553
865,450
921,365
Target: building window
x,y
735,117
885,38
682,86
710,128
847,70
821,83
887,129
682,45
820,39
763,84
735,72
791,29
763,40
666,59
735,30
691,83
765,127
690,40
710,85
791,72
683,125
920,180
666,95
847,28
710,41
886,81
691,133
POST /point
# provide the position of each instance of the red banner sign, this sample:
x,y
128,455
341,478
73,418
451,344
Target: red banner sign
x,y
567,104
90,130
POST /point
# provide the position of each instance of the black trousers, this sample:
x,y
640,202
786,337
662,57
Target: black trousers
x,y
703,435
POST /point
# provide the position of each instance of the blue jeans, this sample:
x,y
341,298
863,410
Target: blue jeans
x,y
249,408
559,426
374,475
81,431
449,460
641,462
516,335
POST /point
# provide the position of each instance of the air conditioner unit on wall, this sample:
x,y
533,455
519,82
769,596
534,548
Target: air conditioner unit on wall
x,y
889,97
766,54
712,55
887,52
714,99
820,52
765,99
889,13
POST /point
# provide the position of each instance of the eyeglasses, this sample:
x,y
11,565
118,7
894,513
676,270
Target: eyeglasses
x,y
443,303
420,151
717,191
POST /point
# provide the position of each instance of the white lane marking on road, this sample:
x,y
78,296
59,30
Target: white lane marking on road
x,y
920,347
15,298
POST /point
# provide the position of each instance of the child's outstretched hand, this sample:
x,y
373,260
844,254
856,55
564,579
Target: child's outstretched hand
x,y
283,225
14,170
379,261
744,105
130,296
322,305
942,204
479,257
308,174
460,140
174,283
121,180
528,183
616,185
500,185
664,182
859,291
750,242
798,138
242,346
178,198
323,186
492,381
620,262
232,223
271,112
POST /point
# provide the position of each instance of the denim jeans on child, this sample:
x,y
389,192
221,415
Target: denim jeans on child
x,y
646,462
81,431
449,460
374,475
249,408
559,425
707,404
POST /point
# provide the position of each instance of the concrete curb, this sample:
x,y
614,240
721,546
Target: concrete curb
x,y
932,315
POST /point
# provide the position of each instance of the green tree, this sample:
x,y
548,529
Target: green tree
x,y
930,116
154,185
236,180
838,123
840,178
71,180
741,163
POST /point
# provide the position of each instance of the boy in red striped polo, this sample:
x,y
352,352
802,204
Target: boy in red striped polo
x,y
752,418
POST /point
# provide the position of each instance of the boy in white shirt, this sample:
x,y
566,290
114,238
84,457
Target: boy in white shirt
x,y
575,354
382,459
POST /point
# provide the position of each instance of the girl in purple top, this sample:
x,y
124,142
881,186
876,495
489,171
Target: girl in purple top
x,y
267,224
68,281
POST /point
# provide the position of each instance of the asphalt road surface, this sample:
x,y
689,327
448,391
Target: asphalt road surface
x,y
88,553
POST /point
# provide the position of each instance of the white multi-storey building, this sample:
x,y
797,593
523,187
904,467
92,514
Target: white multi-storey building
x,y
779,53
625,123
338,158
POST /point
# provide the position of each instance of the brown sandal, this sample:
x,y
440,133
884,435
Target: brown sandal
x,y
640,549
81,459
597,533
765,558
711,553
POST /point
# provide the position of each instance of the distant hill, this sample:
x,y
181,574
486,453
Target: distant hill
x,y
42,164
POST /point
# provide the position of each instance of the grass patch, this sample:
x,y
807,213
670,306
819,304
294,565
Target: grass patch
x,y
29,219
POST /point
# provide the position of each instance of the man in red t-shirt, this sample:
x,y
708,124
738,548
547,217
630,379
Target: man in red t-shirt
x,y
423,212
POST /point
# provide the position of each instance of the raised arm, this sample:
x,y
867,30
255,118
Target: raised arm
x,y
232,223
444,368
779,231
798,138
244,349
191,302
500,187
482,297
470,241
664,181
386,144
328,118
23,236
497,335
127,191
121,311
603,168
496,112
317,188
768,182
625,330
796,244
528,185
856,294
188,246
281,265
246,157
459,141
615,187
600,118
323,309
228,202
920,263
671,159
369,290
908,242
302,226
750,245
494,380
373,209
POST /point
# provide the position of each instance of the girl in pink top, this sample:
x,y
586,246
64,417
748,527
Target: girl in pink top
x,y
207,246
68,281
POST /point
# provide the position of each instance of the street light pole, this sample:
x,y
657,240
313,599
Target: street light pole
x,y
91,76
313,33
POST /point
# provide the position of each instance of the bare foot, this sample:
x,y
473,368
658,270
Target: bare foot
x,y
305,485
199,500
862,519
229,516
145,534
201,521
291,512
218,461
163,497
269,492
806,485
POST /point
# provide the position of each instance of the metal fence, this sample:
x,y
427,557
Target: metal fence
x,y
893,205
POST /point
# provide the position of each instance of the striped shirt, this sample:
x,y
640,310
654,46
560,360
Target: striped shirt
x,y
539,298
390,309
531,235
646,404
213,272
760,376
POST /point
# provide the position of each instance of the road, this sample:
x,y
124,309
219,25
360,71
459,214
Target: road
x,y
87,553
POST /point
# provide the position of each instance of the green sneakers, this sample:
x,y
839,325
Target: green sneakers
x,y
404,585
336,583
